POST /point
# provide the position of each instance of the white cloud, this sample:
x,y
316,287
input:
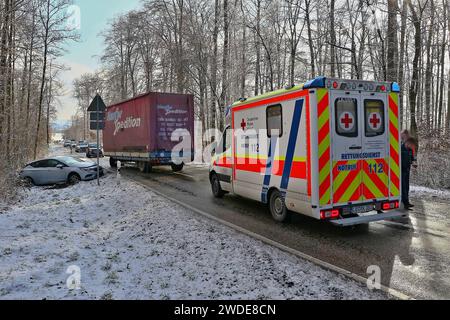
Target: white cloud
x,y
68,104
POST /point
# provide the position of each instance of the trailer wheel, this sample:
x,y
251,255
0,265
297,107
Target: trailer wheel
x,y
215,186
112,163
145,167
277,207
177,167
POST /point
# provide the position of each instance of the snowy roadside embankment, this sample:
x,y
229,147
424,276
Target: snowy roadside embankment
x,y
417,191
131,244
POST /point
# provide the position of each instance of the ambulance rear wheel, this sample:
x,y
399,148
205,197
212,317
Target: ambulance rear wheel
x,y
277,207
216,187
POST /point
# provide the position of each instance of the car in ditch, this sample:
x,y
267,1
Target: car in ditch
x,y
57,170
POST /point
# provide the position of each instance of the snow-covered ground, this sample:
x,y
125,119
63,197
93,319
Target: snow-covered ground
x,y
417,191
129,243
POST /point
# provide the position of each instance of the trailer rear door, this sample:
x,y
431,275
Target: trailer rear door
x,y
359,147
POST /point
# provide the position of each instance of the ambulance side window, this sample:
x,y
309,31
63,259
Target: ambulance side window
x,y
228,138
374,114
225,142
275,120
347,117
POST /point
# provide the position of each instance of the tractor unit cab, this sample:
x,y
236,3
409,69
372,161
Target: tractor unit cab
x,y
329,149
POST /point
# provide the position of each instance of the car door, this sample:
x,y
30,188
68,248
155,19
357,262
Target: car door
x,y
37,172
56,172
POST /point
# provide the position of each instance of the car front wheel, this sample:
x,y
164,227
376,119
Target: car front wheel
x,y
74,178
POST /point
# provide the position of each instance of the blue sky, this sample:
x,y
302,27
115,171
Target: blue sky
x,y
83,56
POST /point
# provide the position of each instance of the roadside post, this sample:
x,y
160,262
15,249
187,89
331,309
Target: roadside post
x,y
97,110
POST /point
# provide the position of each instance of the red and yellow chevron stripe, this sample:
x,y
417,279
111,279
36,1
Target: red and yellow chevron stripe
x,y
375,179
323,114
394,161
346,181
360,180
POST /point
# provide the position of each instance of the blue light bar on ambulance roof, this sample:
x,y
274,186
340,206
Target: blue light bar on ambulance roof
x,y
395,87
318,82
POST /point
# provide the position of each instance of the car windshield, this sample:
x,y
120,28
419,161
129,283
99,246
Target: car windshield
x,y
92,145
70,161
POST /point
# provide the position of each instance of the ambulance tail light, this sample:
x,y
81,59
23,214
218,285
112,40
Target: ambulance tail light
x,y
391,205
330,214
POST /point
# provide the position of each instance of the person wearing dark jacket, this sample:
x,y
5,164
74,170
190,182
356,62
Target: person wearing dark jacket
x,y
408,150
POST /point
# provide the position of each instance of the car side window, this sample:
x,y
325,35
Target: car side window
x,y
36,164
53,163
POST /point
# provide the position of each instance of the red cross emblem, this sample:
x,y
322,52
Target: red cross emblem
x,y
347,121
243,124
375,120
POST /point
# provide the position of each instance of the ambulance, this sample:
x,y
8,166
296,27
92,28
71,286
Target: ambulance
x,y
328,149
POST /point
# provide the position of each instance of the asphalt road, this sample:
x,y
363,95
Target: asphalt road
x,y
413,254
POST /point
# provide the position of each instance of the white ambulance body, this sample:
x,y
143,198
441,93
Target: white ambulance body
x,y
329,149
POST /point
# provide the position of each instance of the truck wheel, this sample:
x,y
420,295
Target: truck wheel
x,y
177,167
277,207
215,186
112,163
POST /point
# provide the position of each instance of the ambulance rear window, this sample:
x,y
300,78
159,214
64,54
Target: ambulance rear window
x,y
374,114
347,117
275,121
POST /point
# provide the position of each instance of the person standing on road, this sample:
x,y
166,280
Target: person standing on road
x,y
408,148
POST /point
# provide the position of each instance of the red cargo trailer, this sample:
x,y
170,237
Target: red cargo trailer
x,y
144,130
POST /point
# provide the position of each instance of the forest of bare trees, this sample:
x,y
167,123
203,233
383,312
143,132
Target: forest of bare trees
x,y
222,50
32,35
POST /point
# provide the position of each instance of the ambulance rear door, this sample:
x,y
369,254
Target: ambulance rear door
x,y
375,153
359,148
346,143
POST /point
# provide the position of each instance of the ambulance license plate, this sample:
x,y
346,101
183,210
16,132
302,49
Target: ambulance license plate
x,y
362,209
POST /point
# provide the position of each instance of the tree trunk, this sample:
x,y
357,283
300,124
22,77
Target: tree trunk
x,y
429,70
332,40
310,39
401,72
414,87
224,95
44,73
392,42
214,95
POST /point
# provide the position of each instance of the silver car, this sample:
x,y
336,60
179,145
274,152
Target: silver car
x,y
59,170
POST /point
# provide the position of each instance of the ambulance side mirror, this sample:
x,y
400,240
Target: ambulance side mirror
x,y
213,148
